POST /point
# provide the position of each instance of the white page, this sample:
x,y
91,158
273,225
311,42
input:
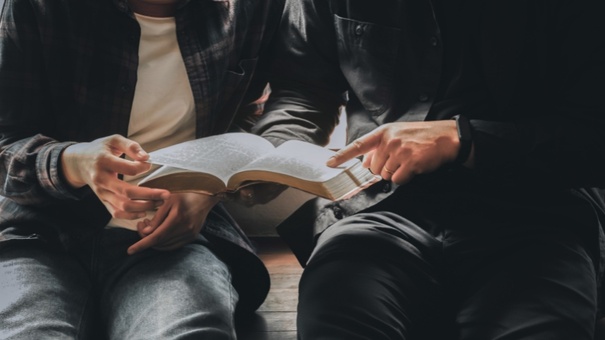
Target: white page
x,y
300,159
221,155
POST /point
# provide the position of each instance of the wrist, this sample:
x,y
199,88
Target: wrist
x,y
69,166
465,137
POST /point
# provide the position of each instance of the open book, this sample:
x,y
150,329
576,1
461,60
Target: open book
x,y
227,162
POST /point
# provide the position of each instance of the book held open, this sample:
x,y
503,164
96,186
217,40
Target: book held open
x,y
224,163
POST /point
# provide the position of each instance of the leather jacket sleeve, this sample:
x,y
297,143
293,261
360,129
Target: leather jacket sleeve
x,y
307,88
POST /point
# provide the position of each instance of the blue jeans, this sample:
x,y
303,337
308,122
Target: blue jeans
x,y
97,291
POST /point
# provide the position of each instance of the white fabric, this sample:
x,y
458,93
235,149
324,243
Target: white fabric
x,y
163,110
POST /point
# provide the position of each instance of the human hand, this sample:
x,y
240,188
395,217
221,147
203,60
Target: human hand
x,y
176,222
257,193
98,163
401,150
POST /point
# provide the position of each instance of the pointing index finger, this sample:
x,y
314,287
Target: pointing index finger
x,y
359,147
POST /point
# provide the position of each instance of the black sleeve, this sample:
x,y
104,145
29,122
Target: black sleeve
x,y
307,88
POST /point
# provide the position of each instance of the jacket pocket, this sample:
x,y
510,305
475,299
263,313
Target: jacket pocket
x,y
238,77
233,90
367,53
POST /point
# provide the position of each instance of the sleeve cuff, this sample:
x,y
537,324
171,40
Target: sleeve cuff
x,y
50,174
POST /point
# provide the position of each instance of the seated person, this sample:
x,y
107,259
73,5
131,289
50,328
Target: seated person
x,y
83,253
486,122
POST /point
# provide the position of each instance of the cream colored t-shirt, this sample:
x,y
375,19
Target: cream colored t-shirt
x,y
163,110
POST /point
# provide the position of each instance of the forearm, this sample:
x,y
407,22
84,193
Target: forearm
x,y
294,114
30,172
306,82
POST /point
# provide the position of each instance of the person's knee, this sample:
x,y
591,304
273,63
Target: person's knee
x,y
184,291
383,236
44,294
367,278
541,290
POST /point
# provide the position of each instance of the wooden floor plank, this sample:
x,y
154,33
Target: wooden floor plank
x,y
276,318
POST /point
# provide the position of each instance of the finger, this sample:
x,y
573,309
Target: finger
x,y
402,175
134,192
144,228
118,212
389,169
174,243
131,198
128,197
178,239
160,217
127,210
129,147
140,205
144,243
163,233
123,206
125,200
379,159
359,147
150,224
161,239
156,237
126,166
367,159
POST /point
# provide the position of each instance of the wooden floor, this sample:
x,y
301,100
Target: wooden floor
x,y
276,318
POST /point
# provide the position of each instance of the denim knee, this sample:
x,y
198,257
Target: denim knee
x,y
181,294
45,295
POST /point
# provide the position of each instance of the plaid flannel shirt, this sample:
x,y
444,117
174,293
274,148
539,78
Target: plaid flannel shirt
x,y
68,71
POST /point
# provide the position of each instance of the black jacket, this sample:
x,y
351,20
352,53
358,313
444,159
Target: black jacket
x,y
538,123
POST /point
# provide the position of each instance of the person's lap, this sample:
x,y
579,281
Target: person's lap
x,y
182,294
178,294
541,287
44,295
368,280
522,285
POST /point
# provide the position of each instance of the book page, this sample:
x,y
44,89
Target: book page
x,y
221,155
299,159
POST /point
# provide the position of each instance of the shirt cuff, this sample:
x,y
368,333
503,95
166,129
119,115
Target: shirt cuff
x,y
50,173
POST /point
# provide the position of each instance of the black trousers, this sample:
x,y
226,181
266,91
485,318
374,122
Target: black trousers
x,y
467,269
